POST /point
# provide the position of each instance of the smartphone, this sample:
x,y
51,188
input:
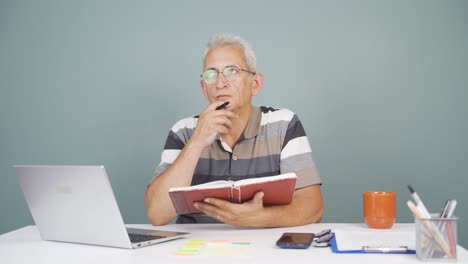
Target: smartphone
x,y
295,240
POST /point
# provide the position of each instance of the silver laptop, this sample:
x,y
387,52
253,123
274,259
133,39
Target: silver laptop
x,y
76,204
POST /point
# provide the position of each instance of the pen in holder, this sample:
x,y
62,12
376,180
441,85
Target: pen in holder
x,y
436,238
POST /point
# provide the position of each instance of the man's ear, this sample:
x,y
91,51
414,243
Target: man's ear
x,y
202,84
257,83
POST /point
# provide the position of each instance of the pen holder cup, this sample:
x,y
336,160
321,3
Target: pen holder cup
x,y
436,238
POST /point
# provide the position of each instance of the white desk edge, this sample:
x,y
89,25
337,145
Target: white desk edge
x,y
24,245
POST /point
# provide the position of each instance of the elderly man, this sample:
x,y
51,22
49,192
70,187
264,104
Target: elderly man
x,y
235,141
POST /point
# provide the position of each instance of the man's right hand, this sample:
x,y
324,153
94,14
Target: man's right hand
x,y
212,123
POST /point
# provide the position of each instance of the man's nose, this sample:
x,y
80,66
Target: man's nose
x,y
221,81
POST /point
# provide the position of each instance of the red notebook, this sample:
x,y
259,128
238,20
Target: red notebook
x,y
277,189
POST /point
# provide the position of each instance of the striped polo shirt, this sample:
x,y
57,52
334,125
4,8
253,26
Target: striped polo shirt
x,y
274,142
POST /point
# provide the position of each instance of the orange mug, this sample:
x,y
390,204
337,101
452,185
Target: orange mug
x,y
379,209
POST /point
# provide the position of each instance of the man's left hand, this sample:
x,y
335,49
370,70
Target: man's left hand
x,y
246,214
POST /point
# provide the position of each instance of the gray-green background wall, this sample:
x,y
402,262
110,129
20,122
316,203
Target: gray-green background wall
x,y
380,86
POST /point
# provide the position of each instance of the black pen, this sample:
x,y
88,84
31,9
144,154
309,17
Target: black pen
x,y
444,212
222,106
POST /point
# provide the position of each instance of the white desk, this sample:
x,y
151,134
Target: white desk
x,y
25,246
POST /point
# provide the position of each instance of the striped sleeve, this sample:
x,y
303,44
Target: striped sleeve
x,y
179,134
296,155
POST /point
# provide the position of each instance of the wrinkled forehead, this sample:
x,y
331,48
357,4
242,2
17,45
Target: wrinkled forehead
x,y
220,57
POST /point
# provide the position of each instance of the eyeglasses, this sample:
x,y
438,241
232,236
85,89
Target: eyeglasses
x,y
231,73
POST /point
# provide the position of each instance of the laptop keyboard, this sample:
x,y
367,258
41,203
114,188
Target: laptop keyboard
x,y
135,238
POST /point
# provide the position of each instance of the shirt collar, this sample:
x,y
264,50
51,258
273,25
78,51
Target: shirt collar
x,y
253,126
251,130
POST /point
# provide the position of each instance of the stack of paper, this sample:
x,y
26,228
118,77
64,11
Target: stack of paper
x,y
356,240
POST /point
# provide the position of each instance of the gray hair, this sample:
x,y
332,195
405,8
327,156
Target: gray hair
x,y
220,40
